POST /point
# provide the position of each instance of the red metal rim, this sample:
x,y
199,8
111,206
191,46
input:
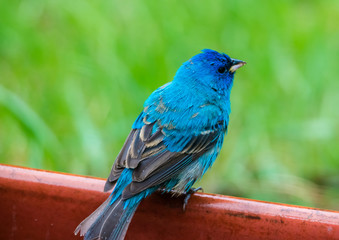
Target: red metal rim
x,y
46,205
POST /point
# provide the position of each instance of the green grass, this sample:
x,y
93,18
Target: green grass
x,y
74,75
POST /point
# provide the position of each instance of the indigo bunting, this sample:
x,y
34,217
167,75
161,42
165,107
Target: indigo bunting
x,y
173,141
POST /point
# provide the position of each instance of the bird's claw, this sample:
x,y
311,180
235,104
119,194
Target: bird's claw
x,y
188,195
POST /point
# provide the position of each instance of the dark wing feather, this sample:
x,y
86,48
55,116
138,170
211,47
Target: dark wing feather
x,y
161,168
139,145
118,165
153,164
160,176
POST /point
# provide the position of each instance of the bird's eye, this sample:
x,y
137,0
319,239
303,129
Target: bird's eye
x,y
221,69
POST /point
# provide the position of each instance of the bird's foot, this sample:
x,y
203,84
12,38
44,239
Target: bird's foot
x,y
188,195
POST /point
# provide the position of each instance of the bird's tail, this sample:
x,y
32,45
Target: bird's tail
x,y
109,221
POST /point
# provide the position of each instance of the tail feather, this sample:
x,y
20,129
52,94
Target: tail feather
x,y
88,222
109,221
120,230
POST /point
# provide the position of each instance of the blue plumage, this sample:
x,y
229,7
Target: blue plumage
x,y
173,141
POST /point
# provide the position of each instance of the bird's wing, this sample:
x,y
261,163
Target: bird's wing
x,y
146,151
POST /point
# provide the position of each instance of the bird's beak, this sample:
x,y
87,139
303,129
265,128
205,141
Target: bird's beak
x,y
236,64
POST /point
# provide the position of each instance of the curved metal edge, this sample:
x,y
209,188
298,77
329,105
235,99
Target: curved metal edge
x,y
39,204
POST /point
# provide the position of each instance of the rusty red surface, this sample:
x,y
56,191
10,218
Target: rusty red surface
x,y
38,205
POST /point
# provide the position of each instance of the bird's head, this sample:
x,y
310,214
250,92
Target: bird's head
x,y
211,69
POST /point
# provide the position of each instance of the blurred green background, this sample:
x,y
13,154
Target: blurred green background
x,y
74,76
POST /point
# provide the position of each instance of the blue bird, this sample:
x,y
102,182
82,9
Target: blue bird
x,y
174,140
